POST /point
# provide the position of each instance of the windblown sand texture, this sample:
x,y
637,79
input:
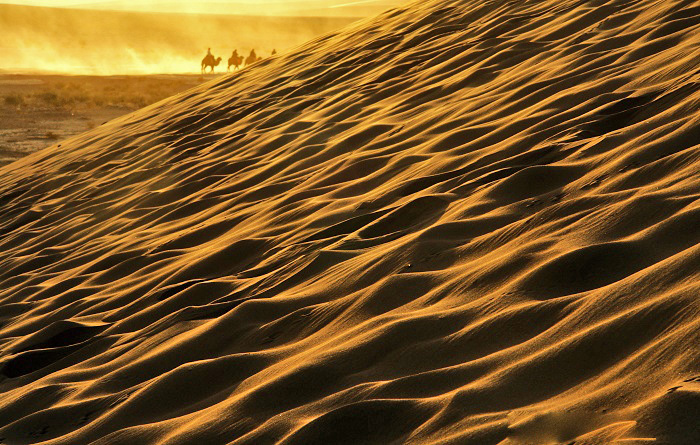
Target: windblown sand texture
x,y
468,222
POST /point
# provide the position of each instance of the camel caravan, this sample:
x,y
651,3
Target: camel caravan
x,y
234,61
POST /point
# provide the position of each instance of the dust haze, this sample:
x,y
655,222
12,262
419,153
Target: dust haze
x,y
95,42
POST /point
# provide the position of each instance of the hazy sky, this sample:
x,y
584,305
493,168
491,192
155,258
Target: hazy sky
x,y
144,41
331,8
154,3
121,2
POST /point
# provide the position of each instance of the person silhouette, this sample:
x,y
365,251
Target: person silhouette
x,y
209,52
234,61
252,58
274,51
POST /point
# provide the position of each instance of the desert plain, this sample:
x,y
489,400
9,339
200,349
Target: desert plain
x,y
38,110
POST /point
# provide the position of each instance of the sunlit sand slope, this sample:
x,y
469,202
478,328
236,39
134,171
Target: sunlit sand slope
x,y
473,222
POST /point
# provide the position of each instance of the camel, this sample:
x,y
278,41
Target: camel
x,y
252,58
235,61
210,61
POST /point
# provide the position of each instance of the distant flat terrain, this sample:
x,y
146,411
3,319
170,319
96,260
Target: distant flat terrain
x,y
39,110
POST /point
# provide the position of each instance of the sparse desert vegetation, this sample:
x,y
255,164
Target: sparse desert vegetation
x,y
85,92
38,110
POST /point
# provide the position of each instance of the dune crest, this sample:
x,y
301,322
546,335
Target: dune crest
x,y
460,222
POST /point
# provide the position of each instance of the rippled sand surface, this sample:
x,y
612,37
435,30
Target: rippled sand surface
x,y
468,222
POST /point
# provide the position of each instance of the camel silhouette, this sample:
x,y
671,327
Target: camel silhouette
x,y
211,62
252,58
235,61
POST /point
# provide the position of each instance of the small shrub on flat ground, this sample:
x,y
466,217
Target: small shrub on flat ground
x,y
14,100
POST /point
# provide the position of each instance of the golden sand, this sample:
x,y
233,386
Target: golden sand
x,y
467,222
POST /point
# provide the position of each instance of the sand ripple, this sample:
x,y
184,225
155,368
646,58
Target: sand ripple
x,y
472,222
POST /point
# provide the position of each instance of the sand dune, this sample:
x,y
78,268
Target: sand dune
x,y
468,222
